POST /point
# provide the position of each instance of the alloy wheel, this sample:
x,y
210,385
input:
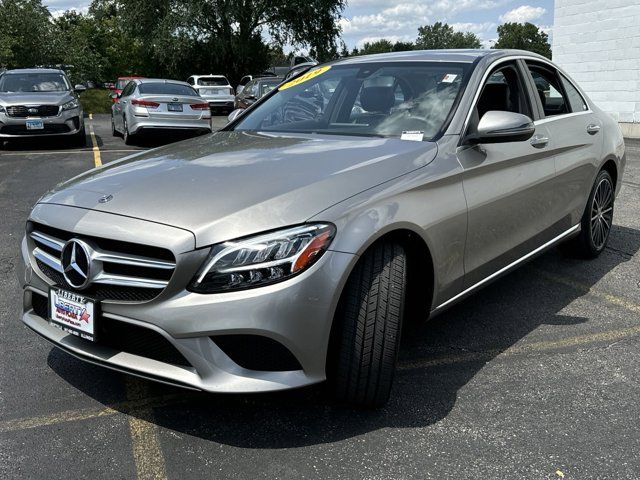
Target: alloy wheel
x,y
602,213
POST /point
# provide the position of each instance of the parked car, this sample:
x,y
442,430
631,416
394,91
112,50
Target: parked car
x,y
150,104
119,86
40,102
285,250
256,89
247,78
298,69
215,89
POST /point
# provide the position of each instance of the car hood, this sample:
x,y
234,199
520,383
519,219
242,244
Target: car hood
x,y
34,98
230,184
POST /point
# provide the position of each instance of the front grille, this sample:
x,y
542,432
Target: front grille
x,y
24,111
124,337
53,128
121,271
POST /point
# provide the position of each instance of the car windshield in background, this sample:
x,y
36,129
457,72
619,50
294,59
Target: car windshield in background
x,y
33,82
379,99
213,82
160,88
267,86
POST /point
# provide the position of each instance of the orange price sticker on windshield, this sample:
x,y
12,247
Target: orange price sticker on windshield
x,y
307,76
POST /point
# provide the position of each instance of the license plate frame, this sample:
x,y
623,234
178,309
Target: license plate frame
x,y
174,107
34,124
73,313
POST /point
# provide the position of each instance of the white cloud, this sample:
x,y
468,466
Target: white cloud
x,y
522,14
477,28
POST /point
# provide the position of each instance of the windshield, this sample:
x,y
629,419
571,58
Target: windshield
x,y
213,82
267,86
121,83
379,99
34,82
166,89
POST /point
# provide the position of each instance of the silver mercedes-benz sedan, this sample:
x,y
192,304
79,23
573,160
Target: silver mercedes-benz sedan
x,y
40,102
290,247
156,105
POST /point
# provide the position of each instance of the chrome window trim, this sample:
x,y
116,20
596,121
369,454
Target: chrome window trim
x,y
510,58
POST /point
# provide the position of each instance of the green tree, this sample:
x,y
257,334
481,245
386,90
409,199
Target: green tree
x,y
441,35
379,46
403,46
523,36
25,33
181,36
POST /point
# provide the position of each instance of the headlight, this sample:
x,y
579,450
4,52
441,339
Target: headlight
x,y
262,259
71,104
2,110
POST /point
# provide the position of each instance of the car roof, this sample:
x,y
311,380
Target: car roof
x,y
210,76
445,55
34,70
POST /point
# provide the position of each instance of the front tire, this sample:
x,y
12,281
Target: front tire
x,y
368,327
80,138
597,220
128,138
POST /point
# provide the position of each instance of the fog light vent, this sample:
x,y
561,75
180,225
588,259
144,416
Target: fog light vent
x,y
255,352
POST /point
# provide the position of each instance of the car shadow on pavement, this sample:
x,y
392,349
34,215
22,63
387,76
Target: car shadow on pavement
x,y
45,144
437,360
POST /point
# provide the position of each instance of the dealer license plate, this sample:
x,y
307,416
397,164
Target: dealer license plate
x,y
73,313
35,125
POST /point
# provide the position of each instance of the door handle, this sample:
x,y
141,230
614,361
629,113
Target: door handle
x,y
593,129
539,141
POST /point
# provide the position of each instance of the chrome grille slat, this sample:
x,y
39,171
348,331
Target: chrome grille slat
x,y
48,259
110,270
133,260
128,281
47,241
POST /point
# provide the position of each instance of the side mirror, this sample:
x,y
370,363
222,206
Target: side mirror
x,y
239,89
251,97
501,127
79,88
235,114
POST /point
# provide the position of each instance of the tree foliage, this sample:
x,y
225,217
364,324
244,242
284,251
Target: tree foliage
x,y
441,35
523,36
25,29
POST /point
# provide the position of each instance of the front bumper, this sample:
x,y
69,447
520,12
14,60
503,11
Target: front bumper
x,y
68,122
296,313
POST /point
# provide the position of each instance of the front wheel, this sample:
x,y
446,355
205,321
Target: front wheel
x,y
368,326
597,219
128,138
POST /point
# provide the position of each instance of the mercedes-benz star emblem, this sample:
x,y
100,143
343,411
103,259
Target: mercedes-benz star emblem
x,y
76,263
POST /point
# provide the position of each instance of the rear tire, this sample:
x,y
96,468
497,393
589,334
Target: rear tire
x,y
368,326
596,222
114,132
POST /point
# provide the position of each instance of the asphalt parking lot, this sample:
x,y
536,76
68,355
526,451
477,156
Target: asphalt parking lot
x,y
536,377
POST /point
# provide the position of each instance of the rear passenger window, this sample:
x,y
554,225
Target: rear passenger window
x,y
576,101
549,90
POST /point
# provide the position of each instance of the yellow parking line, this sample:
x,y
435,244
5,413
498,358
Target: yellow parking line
x,y
550,345
147,452
89,413
612,299
97,160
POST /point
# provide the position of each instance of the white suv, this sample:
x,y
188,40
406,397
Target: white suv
x,y
215,89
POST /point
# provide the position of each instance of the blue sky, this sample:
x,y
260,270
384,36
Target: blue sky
x,y
368,20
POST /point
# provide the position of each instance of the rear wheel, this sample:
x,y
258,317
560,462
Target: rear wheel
x,y
597,220
368,325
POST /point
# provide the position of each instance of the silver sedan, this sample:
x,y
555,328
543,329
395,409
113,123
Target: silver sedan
x,y
148,105
291,247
